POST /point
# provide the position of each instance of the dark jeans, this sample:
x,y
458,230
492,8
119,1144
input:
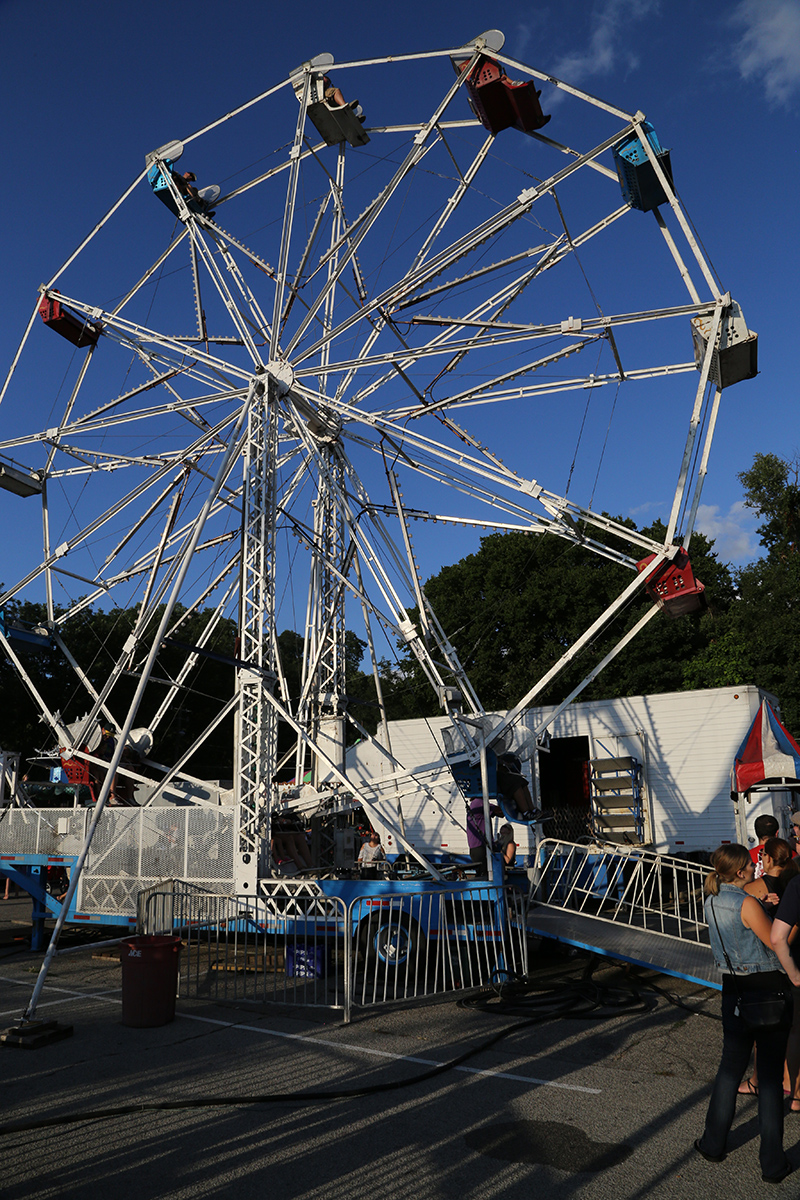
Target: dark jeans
x,y
478,856
737,1044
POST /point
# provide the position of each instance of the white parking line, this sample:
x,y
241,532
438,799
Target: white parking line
x,y
108,997
425,1062
69,994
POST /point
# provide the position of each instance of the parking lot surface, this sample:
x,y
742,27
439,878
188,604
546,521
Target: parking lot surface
x,y
604,1104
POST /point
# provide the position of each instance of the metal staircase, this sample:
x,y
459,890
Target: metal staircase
x,y
616,800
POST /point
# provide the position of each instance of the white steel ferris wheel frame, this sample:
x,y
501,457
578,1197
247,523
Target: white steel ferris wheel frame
x,y
267,413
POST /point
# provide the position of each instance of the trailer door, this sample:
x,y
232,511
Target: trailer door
x,y
564,788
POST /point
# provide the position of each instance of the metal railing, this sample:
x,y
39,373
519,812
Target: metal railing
x,y
132,849
288,947
294,945
425,943
629,886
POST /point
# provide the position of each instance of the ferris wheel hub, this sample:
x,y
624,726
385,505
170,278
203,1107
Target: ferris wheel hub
x,y
281,375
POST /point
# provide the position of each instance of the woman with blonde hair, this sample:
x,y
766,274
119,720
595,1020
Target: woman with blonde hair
x,y
740,935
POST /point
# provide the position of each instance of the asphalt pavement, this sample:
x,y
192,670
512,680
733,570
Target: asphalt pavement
x,y
603,1105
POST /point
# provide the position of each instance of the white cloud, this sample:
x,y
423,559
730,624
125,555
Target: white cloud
x,y
647,511
770,46
609,45
733,532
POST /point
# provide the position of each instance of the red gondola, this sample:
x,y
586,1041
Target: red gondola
x,y
499,102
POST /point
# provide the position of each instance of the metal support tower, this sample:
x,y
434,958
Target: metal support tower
x,y
258,722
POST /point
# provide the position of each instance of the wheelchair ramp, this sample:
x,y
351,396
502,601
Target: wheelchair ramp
x,y
684,959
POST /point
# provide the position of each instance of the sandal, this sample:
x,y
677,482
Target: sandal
x,y
794,1107
748,1088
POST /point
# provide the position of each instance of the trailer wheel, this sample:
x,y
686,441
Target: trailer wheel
x,y
394,941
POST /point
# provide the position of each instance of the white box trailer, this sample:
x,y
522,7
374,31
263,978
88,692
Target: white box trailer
x,y
685,743
681,745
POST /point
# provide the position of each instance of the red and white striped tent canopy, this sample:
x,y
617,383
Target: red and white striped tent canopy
x,y
768,753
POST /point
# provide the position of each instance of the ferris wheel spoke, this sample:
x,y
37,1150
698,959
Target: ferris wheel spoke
x,y
195,655
457,467
84,534
301,266
464,245
455,198
105,588
94,424
243,323
443,343
365,223
82,373
179,238
130,335
492,268
480,390
288,215
494,304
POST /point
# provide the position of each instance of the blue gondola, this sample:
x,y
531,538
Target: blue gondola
x,y
641,187
161,188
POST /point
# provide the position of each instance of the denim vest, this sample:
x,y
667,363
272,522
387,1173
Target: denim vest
x,y
746,952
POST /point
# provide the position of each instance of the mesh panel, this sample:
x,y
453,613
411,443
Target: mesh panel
x,y
109,895
29,831
72,831
132,849
115,849
210,850
163,842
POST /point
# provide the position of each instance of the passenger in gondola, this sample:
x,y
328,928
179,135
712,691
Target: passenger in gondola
x,y
334,98
513,784
184,183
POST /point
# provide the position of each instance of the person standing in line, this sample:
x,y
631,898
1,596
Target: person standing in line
x,y
507,844
786,919
764,827
777,854
741,939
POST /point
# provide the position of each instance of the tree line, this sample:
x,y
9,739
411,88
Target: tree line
x,y
511,610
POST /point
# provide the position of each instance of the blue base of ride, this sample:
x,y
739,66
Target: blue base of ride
x,y
29,872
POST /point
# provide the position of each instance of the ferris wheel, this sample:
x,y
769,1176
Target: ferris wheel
x,y
400,309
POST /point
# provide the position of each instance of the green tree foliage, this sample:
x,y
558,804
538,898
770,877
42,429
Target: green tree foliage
x,y
758,640
771,488
95,638
513,608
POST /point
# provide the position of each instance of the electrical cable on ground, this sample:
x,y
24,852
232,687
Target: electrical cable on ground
x,y
576,999
513,997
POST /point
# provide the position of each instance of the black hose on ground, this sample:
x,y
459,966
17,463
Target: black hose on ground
x,y
573,999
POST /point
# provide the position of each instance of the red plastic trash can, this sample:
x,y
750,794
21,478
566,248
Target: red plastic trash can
x,y
149,980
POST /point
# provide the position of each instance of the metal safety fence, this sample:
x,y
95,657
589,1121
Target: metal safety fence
x,y
424,943
294,945
132,849
629,886
285,947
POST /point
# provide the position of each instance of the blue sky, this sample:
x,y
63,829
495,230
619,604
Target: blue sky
x,y
87,89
